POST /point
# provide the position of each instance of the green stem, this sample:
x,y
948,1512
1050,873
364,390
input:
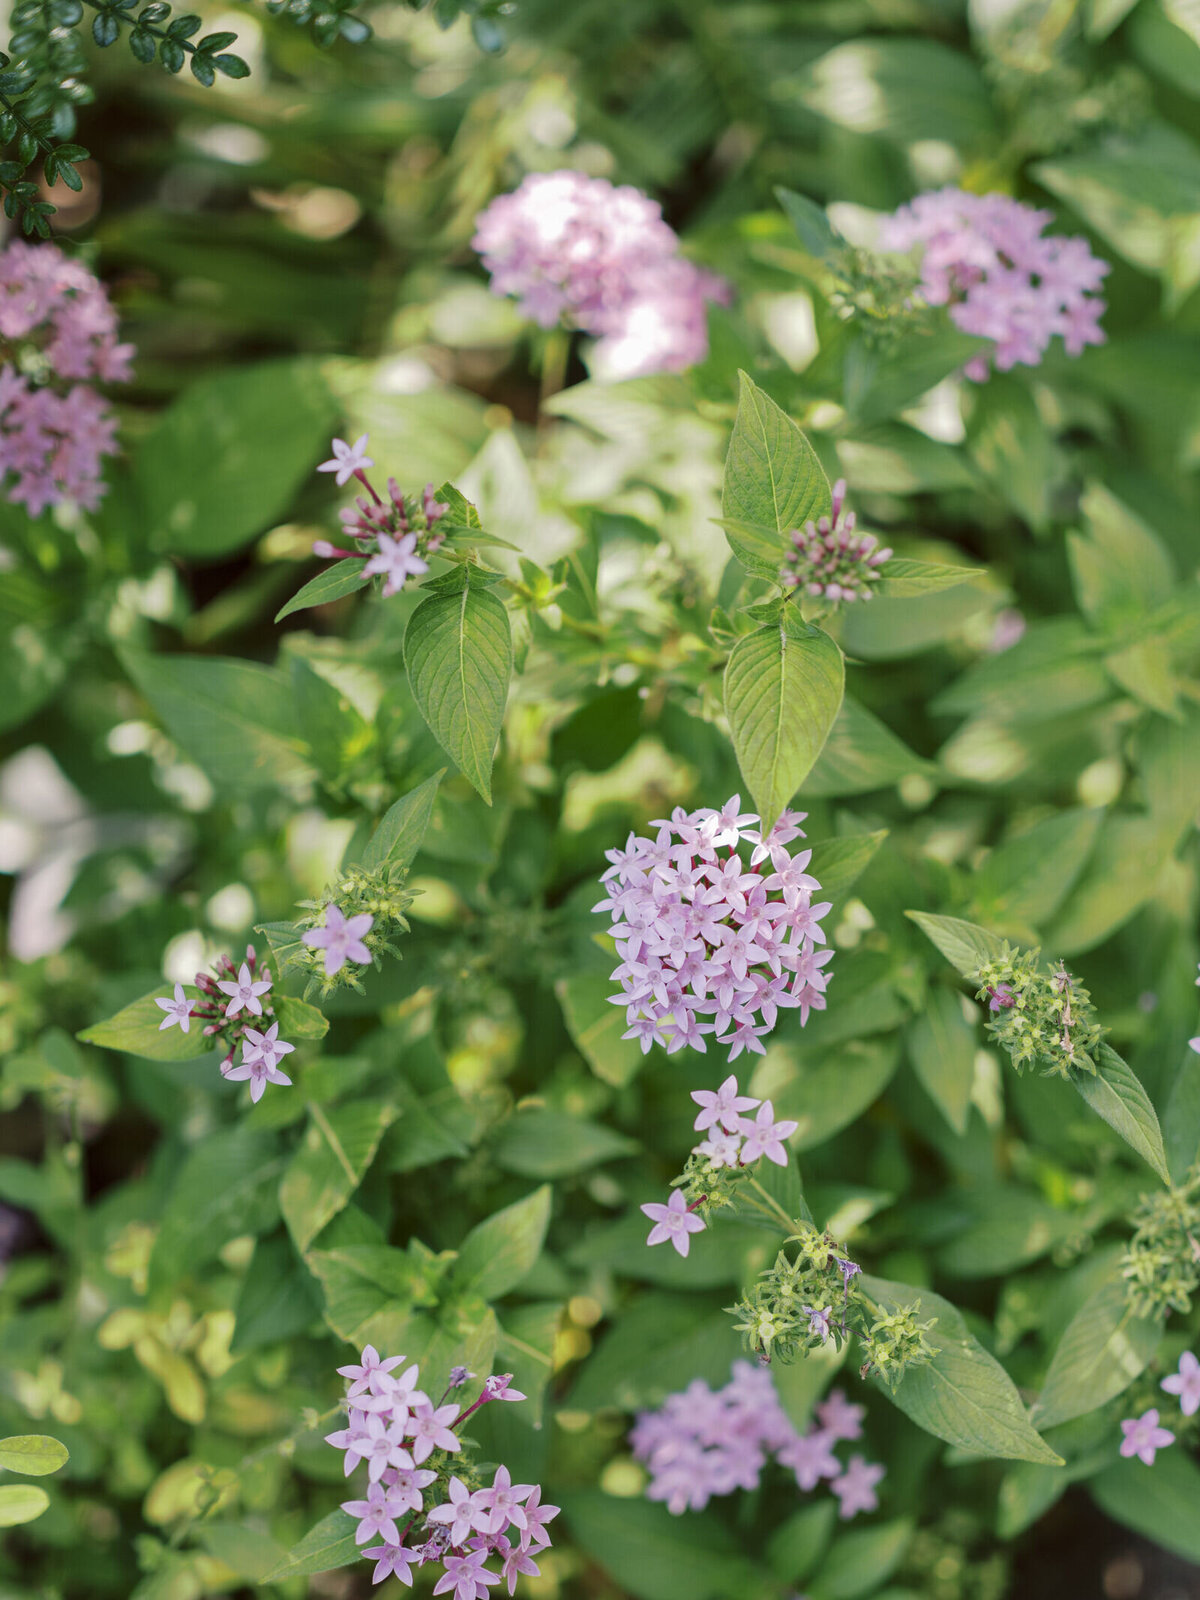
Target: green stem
x,y
772,1208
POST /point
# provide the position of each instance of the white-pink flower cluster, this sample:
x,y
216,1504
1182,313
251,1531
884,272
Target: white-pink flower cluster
x,y
985,256
222,1000
701,933
703,1442
594,256
392,536
406,1441
57,329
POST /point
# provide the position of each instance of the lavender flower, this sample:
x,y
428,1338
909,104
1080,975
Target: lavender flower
x,y
702,1443
245,986
179,1010
839,1417
700,935
1185,1384
393,1427
830,559
393,536
57,329
674,1221
1143,1436
986,257
341,938
349,460
580,251
856,1486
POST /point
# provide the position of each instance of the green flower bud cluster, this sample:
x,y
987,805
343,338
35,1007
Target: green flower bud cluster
x,y
1161,1267
1040,1018
941,1564
710,1183
879,293
382,894
894,1342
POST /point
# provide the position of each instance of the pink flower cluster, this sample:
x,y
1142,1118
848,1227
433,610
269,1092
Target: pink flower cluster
x,y
828,558
986,257
701,934
58,330
1143,1435
393,536
733,1141
223,999
703,1442
406,1441
578,250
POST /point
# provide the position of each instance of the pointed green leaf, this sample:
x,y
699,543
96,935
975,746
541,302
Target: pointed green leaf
x,y
963,1395
458,650
837,864
225,1187
330,1544
1159,1503
783,689
813,227
343,578
1105,1347
138,1030
773,481
965,946
498,1253
1115,1093
323,1174
902,579
861,754
941,1046
297,1019
398,837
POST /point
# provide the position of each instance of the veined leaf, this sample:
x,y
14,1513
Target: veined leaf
x,y
343,578
34,1454
783,688
1104,1348
458,650
138,1030
965,946
773,481
1115,1093
398,837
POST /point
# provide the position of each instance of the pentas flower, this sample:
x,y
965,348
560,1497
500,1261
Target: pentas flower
x,y
225,994
393,534
702,1442
701,934
856,1486
1143,1436
57,330
439,1513
1185,1384
828,558
340,938
582,252
986,257
674,1221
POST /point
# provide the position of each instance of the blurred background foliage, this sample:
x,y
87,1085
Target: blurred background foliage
x,y
291,254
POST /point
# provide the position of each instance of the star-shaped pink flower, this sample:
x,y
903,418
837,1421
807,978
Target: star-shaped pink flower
x,y
674,1222
341,938
348,459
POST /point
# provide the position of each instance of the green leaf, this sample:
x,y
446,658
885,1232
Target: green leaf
x,y
21,1502
825,1095
286,941
1026,878
773,479
963,1395
225,1187
796,1546
813,227
526,1349
278,1299
343,578
654,1556
880,382
34,1454
858,1562
297,1019
225,460
1013,1227
1159,1503
234,718
398,837
1103,1350
965,946
1115,1093
596,1027
498,1253
330,1544
137,1030
458,650
900,579
551,1144
783,689
941,1046
861,754
323,1174
837,864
